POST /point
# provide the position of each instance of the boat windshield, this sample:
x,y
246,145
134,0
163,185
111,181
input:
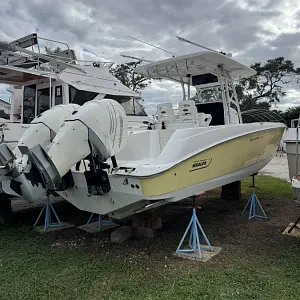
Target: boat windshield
x,y
208,95
36,101
132,106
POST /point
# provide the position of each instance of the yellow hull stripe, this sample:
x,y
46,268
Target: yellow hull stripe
x,y
219,160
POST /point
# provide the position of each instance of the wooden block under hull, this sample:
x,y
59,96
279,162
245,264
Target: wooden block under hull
x,y
64,225
93,227
205,255
294,232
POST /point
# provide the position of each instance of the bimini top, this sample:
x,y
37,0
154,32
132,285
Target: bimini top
x,y
178,68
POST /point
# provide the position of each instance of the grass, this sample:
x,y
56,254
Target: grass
x,y
256,261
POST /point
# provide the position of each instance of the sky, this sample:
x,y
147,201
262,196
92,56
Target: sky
x,y
252,30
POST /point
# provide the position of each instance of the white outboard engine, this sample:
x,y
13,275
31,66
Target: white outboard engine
x,y
44,127
96,131
98,127
41,131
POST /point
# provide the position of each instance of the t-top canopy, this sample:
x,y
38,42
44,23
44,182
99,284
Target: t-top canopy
x,y
195,64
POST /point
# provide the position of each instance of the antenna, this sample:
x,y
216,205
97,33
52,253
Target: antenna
x,y
137,58
152,45
198,45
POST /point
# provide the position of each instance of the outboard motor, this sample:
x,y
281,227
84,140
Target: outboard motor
x,y
96,131
44,127
41,131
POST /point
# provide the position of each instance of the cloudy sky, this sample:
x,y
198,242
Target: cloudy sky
x,y
253,30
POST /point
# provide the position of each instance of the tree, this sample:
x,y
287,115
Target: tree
x,y
267,86
247,104
291,114
125,73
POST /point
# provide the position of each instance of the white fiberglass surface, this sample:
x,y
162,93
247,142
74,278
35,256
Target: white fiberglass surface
x,y
162,148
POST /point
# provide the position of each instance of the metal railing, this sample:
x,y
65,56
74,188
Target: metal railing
x,y
92,63
263,115
54,62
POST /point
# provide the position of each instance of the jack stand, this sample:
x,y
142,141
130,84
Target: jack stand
x,y
195,250
280,151
254,204
98,226
48,208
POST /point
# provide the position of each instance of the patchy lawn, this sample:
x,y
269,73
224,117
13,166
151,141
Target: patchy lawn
x,y
256,261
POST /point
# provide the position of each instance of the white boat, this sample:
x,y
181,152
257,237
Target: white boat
x,y
291,141
15,54
106,162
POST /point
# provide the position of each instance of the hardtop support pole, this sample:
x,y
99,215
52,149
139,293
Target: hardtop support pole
x,y
50,92
237,102
189,87
227,100
222,86
183,88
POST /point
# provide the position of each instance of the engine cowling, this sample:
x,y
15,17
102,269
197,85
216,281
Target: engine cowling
x,y
41,131
97,128
44,127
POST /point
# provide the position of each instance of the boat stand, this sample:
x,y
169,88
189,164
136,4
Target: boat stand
x,y
97,226
280,151
50,215
255,210
195,250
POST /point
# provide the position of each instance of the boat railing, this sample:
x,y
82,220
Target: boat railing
x,y
262,115
53,63
92,63
33,59
16,54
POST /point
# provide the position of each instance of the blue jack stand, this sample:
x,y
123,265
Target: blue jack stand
x,y
256,210
194,247
97,226
49,209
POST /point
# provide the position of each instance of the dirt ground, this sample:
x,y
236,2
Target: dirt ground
x,y
222,221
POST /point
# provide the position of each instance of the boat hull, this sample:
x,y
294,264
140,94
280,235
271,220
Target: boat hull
x,y
224,158
220,164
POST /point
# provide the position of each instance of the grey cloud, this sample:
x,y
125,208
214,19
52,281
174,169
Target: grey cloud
x,y
214,22
239,27
103,26
286,40
262,52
